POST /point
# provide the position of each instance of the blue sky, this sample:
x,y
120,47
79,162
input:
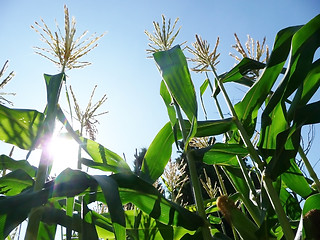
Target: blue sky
x,y
119,65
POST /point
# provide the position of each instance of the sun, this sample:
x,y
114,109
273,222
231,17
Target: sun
x,y
64,151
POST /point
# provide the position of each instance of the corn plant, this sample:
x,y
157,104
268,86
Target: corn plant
x,y
263,210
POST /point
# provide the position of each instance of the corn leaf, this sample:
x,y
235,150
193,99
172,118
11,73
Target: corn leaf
x,y
19,126
159,151
135,190
174,70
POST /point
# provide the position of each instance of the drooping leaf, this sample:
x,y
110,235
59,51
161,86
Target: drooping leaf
x,y
111,194
15,209
149,200
19,126
15,182
109,160
103,158
175,72
70,183
238,73
10,164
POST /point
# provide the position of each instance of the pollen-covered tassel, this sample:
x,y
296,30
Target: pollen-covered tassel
x,y
244,226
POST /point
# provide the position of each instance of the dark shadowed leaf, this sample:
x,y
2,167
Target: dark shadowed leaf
x,y
111,194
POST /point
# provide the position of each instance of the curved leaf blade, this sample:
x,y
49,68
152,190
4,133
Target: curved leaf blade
x,y
19,126
149,200
175,72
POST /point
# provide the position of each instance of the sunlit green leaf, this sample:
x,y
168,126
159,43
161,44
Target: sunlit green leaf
x,y
15,182
19,126
109,160
159,151
224,154
10,164
103,158
175,72
149,200
169,104
294,179
238,73
247,109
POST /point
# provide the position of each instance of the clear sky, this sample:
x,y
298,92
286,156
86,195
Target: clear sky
x,y
119,65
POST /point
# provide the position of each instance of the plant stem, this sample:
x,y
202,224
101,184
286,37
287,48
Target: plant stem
x,y
274,198
194,178
242,166
312,173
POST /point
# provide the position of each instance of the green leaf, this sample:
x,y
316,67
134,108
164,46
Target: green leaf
x,y
103,158
294,179
46,231
290,204
238,73
15,209
108,160
10,164
19,126
175,72
142,226
111,193
159,151
70,183
158,154
224,154
15,182
307,89
247,109
203,88
165,94
304,44
53,84
133,189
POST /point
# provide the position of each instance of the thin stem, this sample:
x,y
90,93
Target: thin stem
x,y
274,198
224,190
194,178
312,173
242,166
